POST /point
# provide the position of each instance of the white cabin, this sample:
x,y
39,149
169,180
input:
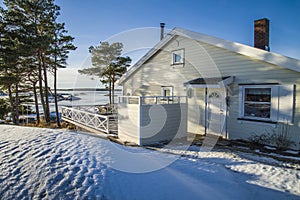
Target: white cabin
x,y
233,90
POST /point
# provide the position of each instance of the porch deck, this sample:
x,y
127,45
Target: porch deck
x,y
147,119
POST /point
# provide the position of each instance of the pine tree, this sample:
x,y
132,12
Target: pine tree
x,y
15,52
32,43
33,80
108,65
62,45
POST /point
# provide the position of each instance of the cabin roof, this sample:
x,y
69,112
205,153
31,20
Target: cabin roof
x,y
204,81
255,53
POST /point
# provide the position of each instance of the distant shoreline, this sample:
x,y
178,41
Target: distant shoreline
x,y
86,89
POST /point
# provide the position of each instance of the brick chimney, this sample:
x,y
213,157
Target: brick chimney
x,y
261,34
162,30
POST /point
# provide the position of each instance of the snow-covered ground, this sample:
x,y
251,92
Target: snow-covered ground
x,y
55,164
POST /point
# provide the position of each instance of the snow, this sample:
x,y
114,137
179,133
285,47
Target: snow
x,y
59,164
292,152
270,148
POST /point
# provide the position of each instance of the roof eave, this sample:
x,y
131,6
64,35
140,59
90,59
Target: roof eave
x,y
255,53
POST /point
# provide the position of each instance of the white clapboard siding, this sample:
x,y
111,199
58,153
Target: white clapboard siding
x,y
146,124
250,71
196,109
129,122
163,122
205,60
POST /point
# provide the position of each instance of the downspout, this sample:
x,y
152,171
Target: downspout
x,y
226,114
141,121
205,115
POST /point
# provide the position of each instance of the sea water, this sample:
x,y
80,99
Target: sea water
x,y
80,98
86,98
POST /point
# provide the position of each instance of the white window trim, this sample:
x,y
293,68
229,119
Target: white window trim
x,y
163,88
282,103
179,52
274,103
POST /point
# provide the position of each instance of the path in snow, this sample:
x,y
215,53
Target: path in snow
x,y
54,164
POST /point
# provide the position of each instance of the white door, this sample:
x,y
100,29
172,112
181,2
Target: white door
x,y
216,112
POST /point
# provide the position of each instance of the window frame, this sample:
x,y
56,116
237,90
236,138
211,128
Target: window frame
x,y
283,103
273,103
165,88
178,52
258,103
163,96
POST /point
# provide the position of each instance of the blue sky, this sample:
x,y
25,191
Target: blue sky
x,y
92,21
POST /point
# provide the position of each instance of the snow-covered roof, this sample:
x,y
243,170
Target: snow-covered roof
x,y
255,53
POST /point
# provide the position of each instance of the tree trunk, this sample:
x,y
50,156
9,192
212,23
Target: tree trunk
x,y
109,92
113,91
55,98
47,110
41,82
16,117
11,101
36,104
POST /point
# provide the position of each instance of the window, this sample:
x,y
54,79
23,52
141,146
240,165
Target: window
x,y
257,102
178,57
271,103
167,91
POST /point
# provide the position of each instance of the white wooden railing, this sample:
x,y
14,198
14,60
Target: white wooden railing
x,y
149,100
100,109
87,119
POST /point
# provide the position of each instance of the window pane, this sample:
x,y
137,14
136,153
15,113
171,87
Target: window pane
x,y
257,110
258,94
257,102
166,92
177,58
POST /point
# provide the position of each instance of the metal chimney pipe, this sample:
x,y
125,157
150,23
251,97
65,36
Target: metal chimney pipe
x,y
162,30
